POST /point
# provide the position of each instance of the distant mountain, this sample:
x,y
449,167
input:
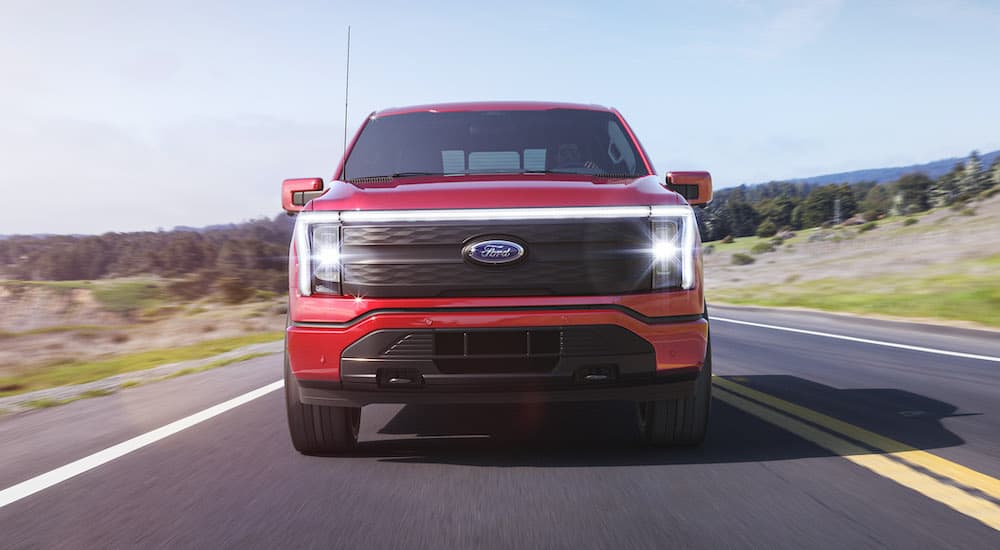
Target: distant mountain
x,y
934,169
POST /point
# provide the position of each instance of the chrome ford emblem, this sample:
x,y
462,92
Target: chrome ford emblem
x,y
493,252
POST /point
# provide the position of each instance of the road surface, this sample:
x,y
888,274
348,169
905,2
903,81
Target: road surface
x,y
822,436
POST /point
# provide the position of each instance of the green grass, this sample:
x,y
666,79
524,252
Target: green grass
x,y
129,296
47,284
47,403
78,372
746,244
191,370
957,295
215,364
54,330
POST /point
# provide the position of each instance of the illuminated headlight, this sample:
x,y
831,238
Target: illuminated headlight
x,y
317,242
673,230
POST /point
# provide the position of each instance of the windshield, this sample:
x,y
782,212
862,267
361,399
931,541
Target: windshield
x,y
572,141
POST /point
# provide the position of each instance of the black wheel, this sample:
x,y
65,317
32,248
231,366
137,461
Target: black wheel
x,y
318,430
679,422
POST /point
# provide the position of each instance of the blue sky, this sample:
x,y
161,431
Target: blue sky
x,y
124,116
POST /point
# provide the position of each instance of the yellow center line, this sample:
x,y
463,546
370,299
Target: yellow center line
x,y
955,498
933,463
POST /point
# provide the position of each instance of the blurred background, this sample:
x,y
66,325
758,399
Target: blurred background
x,y
143,144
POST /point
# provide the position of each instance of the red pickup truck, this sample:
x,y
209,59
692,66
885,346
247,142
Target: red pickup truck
x,y
496,253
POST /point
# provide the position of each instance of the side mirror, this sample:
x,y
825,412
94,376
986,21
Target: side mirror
x,y
295,193
696,187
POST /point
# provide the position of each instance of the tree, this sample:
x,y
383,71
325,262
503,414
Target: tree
x,y
945,189
767,228
742,218
877,202
973,178
778,210
818,207
914,190
797,217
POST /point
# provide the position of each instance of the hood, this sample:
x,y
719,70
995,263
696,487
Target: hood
x,y
507,192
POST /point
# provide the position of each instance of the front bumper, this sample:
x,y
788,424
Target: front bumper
x,y
603,353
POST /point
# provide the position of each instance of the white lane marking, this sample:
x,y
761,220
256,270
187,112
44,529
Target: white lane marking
x,y
862,340
44,481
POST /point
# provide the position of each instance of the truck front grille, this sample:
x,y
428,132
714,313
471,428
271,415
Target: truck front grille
x,y
580,257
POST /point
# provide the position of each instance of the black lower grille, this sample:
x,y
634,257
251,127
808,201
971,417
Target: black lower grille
x,y
497,343
479,365
492,351
580,257
530,354
482,351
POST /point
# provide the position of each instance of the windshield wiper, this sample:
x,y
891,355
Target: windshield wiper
x,y
581,173
411,174
387,177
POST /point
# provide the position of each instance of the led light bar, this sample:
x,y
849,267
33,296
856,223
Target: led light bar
x,y
488,214
671,210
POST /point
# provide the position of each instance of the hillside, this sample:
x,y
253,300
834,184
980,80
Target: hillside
x,y
939,264
933,170
255,252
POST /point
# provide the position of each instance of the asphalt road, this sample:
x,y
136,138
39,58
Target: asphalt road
x,y
815,442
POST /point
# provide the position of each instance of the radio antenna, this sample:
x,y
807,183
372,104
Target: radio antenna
x,y
347,84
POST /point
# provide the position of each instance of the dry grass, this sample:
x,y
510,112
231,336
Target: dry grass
x,y
943,266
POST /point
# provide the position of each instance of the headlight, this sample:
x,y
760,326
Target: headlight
x,y
673,230
317,242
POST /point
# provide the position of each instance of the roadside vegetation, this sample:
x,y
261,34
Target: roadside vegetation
x,y
70,371
779,208
954,296
233,259
936,264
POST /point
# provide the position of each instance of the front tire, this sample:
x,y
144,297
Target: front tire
x,y
318,430
679,422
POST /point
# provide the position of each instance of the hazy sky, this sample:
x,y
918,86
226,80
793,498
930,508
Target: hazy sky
x,y
120,116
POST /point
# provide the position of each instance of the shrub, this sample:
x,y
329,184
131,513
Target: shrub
x,y
128,297
967,211
777,241
742,259
234,290
762,248
910,221
871,215
867,227
767,229
119,338
989,192
708,249
727,239
186,289
264,295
